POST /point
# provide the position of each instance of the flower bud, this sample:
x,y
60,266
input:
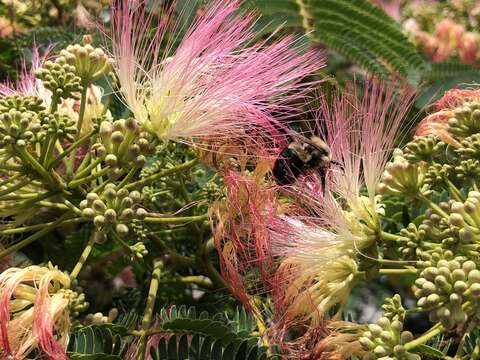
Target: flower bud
x,y
122,229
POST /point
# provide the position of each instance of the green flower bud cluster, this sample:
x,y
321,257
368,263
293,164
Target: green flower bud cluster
x,y
19,128
445,284
470,147
437,175
468,170
386,339
173,154
403,178
64,127
410,243
138,251
76,301
465,120
90,63
21,103
113,210
459,228
423,148
60,78
123,145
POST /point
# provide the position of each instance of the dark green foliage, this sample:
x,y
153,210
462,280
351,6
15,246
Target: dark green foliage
x,y
219,327
452,69
367,36
94,342
206,348
472,341
275,13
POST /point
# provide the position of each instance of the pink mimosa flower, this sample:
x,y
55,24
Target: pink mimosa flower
x,y
242,237
31,316
217,83
456,97
319,239
27,84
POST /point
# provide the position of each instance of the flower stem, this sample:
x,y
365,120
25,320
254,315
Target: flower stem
x,y
152,178
433,206
73,146
397,271
81,113
15,187
54,103
88,169
37,235
434,331
29,228
456,194
147,316
83,258
28,158
389,237
127,177
176,219
76,183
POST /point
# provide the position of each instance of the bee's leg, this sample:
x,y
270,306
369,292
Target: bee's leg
x,y
323,178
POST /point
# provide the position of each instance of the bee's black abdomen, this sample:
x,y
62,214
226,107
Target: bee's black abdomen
x,y
288,167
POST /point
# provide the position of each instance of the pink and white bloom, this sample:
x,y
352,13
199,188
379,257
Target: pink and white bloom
x,y
27,84
34,312
217,83
328,231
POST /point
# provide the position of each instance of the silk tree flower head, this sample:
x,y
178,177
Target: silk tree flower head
x,y
437,122
241,235
330,231
34,312
217,83
27,84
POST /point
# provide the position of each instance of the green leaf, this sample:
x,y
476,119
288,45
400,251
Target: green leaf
x,y
98,339
367,36
430,351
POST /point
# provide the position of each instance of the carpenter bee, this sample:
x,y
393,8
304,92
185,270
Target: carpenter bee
x,y
301,157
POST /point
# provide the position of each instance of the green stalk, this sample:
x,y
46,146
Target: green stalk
x,y
31,201
397,271
176,220
37,235
88,169
17,186
30,228
49,151
81,113
306,17
10,179
76,183
389,237
28,158
433,206
11,167
152,178
83,258
147,316
434,331
54,103
73,146
456,194
127,178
